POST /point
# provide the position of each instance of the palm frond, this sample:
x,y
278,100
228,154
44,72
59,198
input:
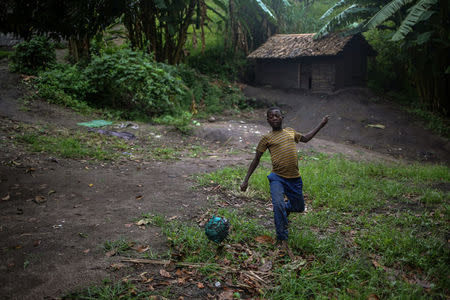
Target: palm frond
x,y
265,9
221,4
338,5
385,13
217,13
352,14
413,17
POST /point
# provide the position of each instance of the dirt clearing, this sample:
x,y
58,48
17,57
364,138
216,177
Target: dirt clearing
x,y
57,214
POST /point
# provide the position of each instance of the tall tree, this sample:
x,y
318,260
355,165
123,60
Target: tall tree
x,y
161,26
76,21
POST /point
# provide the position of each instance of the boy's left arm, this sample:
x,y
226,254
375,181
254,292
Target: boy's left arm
x,y
307,137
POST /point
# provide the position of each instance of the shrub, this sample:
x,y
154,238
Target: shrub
x,y
131,80
132,85
210,96
387,70
219,62
32,56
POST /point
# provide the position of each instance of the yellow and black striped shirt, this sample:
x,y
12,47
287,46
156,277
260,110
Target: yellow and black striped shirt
x,y
281,145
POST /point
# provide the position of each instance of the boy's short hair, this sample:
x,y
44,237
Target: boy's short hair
x,y
272,109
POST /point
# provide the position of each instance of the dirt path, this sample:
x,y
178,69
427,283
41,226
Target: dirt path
x,y
356,117
56,214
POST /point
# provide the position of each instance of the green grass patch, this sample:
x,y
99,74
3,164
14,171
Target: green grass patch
x,y
76,145
118,247
371,228
165,153
5,54
79,144
191,243
110,291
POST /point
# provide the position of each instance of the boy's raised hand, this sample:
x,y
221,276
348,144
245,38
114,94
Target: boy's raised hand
x,y
325,119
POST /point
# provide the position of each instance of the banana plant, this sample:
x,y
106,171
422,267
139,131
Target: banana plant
x,y
251,22
422,27
354,16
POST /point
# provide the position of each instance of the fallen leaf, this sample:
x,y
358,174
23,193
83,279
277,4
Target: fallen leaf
x,y
143,222
296,264
372,297
264,239
39,199
117,266
350,291
200,285
6,198
173,218
86,251
226,295
179,272
139,197
266,267
141,248
164,273
91,184
379,126
181,280
111,253
36,243
51,192
376,264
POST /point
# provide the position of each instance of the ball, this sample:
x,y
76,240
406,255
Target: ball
x,y
217,229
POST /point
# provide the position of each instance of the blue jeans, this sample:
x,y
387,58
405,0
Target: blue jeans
x,y
292,188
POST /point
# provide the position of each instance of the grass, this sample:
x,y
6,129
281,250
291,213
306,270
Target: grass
x,y
6,54
119,247
110,291
80,144
372,228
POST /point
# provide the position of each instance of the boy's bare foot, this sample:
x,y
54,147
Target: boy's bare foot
x,y
285,246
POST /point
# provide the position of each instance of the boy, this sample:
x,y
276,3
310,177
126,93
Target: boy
x,y
285,178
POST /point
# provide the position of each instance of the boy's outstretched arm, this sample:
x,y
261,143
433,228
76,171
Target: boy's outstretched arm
x,y
307,137
251,168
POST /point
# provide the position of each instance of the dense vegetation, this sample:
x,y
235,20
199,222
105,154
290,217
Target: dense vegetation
x,y
411,37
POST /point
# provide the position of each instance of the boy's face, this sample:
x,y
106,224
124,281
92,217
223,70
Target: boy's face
x,y
275,118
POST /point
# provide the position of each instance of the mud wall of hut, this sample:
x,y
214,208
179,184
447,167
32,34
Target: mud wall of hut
x,y
351,66
323,74
306,74
277,73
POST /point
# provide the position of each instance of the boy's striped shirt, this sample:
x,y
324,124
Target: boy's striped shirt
x,y
283,152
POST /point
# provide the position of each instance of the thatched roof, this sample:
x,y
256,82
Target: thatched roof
x,y
283,46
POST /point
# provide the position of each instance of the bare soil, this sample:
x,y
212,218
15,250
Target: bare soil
x,y
56,213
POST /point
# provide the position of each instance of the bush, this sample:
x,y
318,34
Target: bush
x,y
132,85
131,80
32,56
219,62
387,70
210,96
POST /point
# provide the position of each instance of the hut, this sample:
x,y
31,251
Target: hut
x,y
301,62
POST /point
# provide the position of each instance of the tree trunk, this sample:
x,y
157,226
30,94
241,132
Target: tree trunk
x,y
79,47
